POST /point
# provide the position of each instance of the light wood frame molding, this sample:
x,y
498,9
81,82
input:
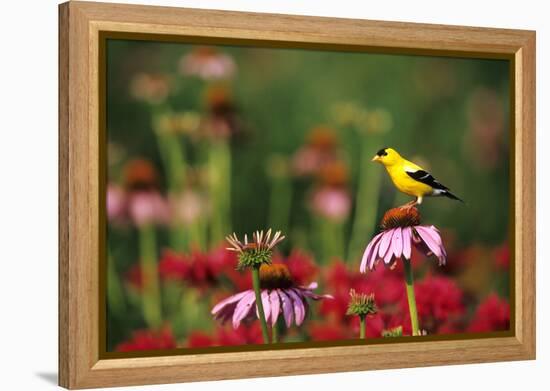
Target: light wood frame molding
x,y
80,24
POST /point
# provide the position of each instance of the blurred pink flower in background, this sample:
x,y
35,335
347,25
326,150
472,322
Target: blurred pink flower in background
x,y
331,203
151,88
493,314
207,63
486,117
116,203
189,206
148,207
319,150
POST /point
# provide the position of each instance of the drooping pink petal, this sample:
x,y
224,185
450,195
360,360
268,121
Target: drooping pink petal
x,y
428,240
275,306
244,307
313,285
226,313
299,309
406,232
368,251
397,242
267,306
229,300
374,255
314,296
288,311
385,243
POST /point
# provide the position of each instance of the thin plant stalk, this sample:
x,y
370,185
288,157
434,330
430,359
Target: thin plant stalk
x,y
219,167
259,304
366,209
280,202
409,282
331,236
274,333
115,293
151,303
172,154
362,327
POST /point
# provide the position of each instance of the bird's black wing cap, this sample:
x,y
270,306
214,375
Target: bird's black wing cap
x,y
382,152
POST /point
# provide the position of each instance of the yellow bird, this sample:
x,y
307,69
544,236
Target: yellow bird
x,y
410,178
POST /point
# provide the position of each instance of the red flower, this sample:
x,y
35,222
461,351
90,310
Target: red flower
x,y
198,339
134,276
438,300
243,335
501,256
227,336
198,268
301,266
328,332
148,340
491,315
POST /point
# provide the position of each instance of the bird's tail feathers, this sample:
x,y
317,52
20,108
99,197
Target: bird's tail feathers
x,y
450,195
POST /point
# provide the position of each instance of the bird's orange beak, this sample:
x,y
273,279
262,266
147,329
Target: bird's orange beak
x,y
375,158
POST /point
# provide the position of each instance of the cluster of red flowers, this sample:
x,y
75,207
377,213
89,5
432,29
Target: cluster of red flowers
x,y
441,302
227,336
148,340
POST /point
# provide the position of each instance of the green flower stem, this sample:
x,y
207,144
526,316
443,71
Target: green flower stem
x,y
274,333
409,281
219,173
172,154
179,237
364,219
332,238
148,262
280,202
259,304
362,327
115,293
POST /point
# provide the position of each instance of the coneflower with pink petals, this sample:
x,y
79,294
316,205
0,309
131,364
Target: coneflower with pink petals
x,y
401,231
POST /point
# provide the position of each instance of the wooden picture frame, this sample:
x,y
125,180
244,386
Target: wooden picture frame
x,y
80,143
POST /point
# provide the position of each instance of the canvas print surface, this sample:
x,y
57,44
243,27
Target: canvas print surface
x,y
280,196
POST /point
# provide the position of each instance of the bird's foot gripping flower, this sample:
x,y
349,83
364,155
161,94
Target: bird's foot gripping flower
x,y
257,252
401,230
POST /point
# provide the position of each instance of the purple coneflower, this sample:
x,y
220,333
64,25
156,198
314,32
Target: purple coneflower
x,y
253,255
401,230
279,295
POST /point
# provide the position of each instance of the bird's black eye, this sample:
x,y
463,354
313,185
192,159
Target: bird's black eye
x,y
382,152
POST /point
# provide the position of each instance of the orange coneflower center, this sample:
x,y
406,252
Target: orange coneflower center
x,y
400,217
334,174
323,138
275,276
140,174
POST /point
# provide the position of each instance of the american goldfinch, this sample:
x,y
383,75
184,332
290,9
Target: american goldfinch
x,y
410,178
